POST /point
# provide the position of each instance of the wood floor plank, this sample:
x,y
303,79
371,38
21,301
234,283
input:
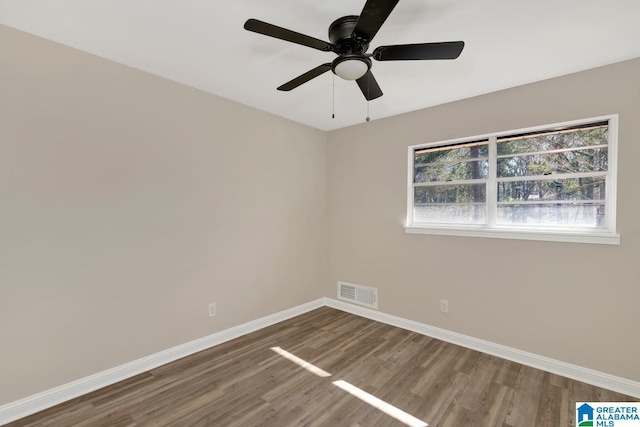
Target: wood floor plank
x,y
498,402
243,383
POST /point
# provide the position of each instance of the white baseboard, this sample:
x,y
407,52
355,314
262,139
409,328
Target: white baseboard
x,y
589,376
38,402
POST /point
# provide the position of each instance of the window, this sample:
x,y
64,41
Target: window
x,y
556,182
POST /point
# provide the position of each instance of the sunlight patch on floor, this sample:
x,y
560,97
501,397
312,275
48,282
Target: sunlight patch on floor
x,y
385,407
370,399
300,362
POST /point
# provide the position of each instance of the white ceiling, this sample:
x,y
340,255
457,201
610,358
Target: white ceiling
x,y
203,44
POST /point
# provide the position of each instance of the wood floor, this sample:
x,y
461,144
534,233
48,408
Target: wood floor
x,y
245,383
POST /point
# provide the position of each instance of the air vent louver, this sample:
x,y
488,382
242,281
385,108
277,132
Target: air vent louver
x,y
358,294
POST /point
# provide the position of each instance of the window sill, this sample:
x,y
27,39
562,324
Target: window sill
x,y
599,238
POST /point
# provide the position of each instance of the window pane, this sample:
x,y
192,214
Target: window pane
x,y
442,172
452,153
437,194
558,140
452,204
577,202
450,214
561,214
588,160
577,189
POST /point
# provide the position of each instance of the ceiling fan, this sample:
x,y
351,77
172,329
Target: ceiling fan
x,y
350,37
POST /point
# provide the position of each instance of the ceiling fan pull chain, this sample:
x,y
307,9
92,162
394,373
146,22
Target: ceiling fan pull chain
x,y
368,100
333,106
368,118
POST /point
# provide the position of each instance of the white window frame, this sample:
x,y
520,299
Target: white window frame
x,y
604,235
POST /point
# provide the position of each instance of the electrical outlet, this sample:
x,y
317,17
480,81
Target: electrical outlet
x,y
444,305
212,309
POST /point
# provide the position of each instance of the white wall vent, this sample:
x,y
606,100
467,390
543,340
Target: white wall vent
x,y
363,295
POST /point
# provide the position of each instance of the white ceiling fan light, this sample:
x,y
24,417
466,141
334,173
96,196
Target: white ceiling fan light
x,y
351,67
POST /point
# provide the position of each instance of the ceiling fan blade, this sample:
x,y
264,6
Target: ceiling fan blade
x,y
311,74
420,51
288,35
369,86
373,15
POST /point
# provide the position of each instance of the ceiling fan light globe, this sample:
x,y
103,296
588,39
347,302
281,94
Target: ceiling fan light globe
x,y
351,69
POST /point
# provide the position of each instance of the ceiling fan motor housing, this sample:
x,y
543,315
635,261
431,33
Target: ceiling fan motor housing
x,y
342,36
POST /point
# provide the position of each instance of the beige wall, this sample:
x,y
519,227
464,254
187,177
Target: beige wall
x,y
129,202
574,302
